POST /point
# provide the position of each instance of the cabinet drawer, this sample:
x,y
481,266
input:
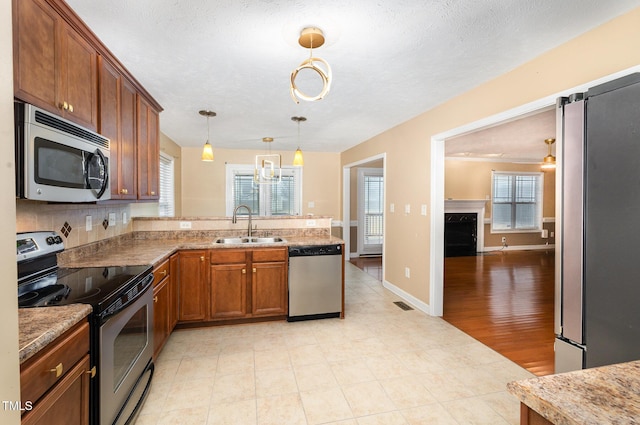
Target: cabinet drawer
x,y
161,272
228,256
42,371
270,254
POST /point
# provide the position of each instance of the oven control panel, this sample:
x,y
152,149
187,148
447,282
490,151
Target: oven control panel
x,y
36,244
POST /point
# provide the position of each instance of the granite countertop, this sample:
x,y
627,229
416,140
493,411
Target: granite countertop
x,y
40,326
153,251
602,395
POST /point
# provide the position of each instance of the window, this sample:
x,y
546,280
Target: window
x,y
516,202
370,210
284,198
166,204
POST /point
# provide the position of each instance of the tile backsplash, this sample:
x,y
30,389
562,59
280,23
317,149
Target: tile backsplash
x,y
70,220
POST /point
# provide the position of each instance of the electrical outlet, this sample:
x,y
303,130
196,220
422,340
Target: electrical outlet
x,y
311,223
407,272
112,219
185,225
392,207
88,224
423,209
504,239
311,204
124,218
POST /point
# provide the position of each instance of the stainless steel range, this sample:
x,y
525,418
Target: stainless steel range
x,y
121,321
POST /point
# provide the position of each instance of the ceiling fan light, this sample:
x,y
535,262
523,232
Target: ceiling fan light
x,y
297,158
207,152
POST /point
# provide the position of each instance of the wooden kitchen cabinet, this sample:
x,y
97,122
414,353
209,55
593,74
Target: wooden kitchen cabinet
x,y
161,306
193,293
55,67
173,291
269,282
148,143
228,276
56,380
118,123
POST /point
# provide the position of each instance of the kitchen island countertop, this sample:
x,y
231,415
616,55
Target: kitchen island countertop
x,y
602,395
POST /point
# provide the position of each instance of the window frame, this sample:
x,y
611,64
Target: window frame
x,y
514,203
231,170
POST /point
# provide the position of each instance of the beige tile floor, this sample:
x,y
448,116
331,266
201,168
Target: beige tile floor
x,y
380,365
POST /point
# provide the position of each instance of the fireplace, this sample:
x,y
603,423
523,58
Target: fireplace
x,y
460,234
465,227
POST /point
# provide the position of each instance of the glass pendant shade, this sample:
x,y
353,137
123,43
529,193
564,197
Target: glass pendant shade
x,y
207,152
549,161
297,158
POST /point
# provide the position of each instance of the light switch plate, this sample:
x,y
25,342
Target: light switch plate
x,y
407,209
392,207
311,204
88,223
423,209
125,219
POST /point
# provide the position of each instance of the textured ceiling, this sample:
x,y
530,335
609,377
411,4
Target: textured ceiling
x,y
391,59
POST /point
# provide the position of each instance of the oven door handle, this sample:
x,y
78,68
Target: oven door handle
x,y
116,308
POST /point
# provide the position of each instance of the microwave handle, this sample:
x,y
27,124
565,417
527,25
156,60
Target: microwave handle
x,y
104,164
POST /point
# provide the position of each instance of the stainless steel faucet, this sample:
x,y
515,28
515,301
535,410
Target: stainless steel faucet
x,y
235,217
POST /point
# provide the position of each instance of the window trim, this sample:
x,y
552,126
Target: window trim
x,y
247,169
539,199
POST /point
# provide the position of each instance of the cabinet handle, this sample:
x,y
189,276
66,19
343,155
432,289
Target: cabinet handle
x,y
155,299
58,370
244,271
162,272
124,191
254,269
70,108
202,258
153,193
91,372
63,105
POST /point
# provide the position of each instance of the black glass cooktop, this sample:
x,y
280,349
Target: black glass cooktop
x,y
97,286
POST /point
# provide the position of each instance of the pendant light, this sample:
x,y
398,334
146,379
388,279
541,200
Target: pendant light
x,y
549,161
268,168
309,38
297,157
207,150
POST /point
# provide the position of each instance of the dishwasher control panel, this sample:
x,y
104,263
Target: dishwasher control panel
x,y
310,250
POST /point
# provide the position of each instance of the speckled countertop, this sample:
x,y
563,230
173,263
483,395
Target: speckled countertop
x,y
140,251
40,326
603,395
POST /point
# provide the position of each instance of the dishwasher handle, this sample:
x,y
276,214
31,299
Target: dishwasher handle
x,y
313,250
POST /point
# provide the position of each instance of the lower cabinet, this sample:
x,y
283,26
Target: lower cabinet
x,y
56,381
236,284
165,302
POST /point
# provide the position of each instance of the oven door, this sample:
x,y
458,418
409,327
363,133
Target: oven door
x,y
126,367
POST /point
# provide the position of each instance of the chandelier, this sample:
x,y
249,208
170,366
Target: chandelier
x,y
268,168
309,38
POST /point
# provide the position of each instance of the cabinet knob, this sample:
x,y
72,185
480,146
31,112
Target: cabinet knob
x,y
202,258
70,108
254,269
124,191
91,372
153,193
244,271
155,299
63,105
58,370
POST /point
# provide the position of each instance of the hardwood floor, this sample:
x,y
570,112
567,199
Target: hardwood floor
x,y
371,265
506,301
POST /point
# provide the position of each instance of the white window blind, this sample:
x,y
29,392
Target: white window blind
x,y
166,204
516,202
373,209
284,198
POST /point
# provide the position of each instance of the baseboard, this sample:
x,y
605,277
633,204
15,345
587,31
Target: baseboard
x,y
518,248
419,305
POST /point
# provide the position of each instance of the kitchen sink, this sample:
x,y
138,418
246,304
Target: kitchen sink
x,y
249,240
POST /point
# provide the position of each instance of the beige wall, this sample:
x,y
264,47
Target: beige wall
x,y
204,186
9,365
605,50
472,180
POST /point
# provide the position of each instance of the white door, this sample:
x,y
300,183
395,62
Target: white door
x,y
370,210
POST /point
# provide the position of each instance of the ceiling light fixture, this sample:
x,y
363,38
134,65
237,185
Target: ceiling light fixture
x,y
207,150
268,168
309,38
549,161
297,157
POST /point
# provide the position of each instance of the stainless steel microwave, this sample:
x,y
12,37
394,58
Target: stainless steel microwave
x,y
58,160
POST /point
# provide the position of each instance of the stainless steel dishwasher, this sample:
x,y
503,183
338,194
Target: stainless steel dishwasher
x,y
315,282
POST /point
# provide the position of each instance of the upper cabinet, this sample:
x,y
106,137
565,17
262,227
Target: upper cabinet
x,y
55,68
61,66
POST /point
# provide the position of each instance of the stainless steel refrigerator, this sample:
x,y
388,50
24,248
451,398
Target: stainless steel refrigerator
x,y
598,293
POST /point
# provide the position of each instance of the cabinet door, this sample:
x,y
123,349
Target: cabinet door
x,y
161,305
193,295
269,289
78,79
35,53
228,291
173,291
148,151
67,403
128,176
